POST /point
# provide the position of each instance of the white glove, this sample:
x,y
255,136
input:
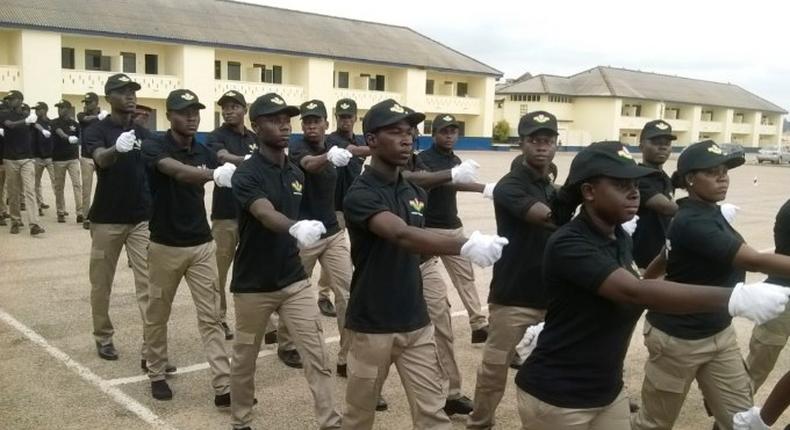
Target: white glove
x,y
247,157
483,249
223,173
529,341
339,157
749,420
630,226
729,211
73,140
307,232
125,142
759,302
488,191
103,114
465,172
2,132
46,133
32,118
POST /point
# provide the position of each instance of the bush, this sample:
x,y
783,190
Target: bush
x,y
501,131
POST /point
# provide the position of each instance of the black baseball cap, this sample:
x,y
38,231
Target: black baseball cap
x,y
63,103
656,128
607,158
534,122
444,120
346,107
313,108
118,81
234,96
182,99
388,112
704,155
14,94
271,104
90,97
41,105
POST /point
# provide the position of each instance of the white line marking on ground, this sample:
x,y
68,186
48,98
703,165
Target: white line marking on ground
x,y
86,374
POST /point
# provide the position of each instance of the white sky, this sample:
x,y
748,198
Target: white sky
x,y
738,42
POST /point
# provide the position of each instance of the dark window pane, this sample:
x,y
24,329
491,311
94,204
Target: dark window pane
x,y
151,64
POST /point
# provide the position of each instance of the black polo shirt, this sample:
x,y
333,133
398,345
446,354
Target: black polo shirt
x,y
18,140
318,196
223,205
782,240
265,260
179,212
386,288
62,150
84,126
42,146
442,208
122,195
702,246
349,172
651,229
517,279
578,361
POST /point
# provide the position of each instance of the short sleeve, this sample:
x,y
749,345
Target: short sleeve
x,y
92,139
153,152
362,204
648,188
211,157
247,186
720,244
577,261
513,197
782,230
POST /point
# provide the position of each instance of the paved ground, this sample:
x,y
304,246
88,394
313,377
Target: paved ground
x,y
52,378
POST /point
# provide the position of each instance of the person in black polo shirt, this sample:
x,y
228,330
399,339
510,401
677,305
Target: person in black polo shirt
x,y
702,248
441,216
523,199
90,115
3,208
573,378
65,155
387,317
42,151
343,137
268,275
121,210
232,141
181,243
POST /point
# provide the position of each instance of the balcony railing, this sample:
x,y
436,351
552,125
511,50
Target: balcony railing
x,y
10,78
453,105
152,86
710,126
293,94
364,98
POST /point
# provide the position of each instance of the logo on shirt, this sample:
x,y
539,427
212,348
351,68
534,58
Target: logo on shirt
x,y
397,108
72,128
296,186
138,144
662,126
714,149
277,101
625,154
541,119
417,205
253,147
345,106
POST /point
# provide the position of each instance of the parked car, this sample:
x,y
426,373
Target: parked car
x,y
775,155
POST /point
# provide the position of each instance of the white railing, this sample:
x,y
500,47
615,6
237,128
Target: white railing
x,y
10,78
364,98
293,94
710,126
453,105
152,86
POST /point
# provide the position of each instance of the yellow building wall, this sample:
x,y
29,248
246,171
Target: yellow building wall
x,y
39,55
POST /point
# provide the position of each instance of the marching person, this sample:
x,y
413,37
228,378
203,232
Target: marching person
x,y
42,151
4,216
65,159
90,115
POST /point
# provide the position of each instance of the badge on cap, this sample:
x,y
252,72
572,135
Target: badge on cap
x,y
662,126
311,106
397,108
123,79
87,95
297,187
230,94
345,106
417,205
715,149
625,154
541,119
277,101
188,96
448,118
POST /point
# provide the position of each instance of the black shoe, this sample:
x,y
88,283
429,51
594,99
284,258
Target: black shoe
x,y
270,338
80,218
35,230
15,226
169,369
86,225
480,335
107,352
160,390
40,212
515,363
462,405
226,329
342,370
381,404
290,358
22,207
223,401
633,406
61,218
43,206
326,307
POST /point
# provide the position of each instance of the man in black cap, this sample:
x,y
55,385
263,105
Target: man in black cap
x,y
90,115
268,275
122,207
387,319
343,137
42,151
232,141
3,208
18,161
181,243
65,155
523,199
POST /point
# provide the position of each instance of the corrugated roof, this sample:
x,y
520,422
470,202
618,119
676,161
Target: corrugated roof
x,y
632,84
242,26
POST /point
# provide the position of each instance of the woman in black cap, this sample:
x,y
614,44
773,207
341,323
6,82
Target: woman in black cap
x,y
701,248
573,378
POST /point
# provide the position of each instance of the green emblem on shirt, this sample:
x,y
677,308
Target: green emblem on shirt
x,y
297,188
417,205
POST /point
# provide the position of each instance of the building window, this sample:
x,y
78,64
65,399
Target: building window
x,y
672,113
234,71
376,83
737,118
522,110
217,69
429,86
518,97
461,89
67,58
95,61
273,75
341,80
766,120
151,64
707,115
129,62
427,126
631,110
559,99
461,128
533,97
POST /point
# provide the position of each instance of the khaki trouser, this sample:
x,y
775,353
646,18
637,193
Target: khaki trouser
x,y
415,357
507,325
538,415
198,265
324,287
87,167
106,243
333,254
462,276
21,175
296,306
715,362
72,167
765,346
41,165
226,235
3,207
434,291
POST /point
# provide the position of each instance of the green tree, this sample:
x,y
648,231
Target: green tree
x,y
501,131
